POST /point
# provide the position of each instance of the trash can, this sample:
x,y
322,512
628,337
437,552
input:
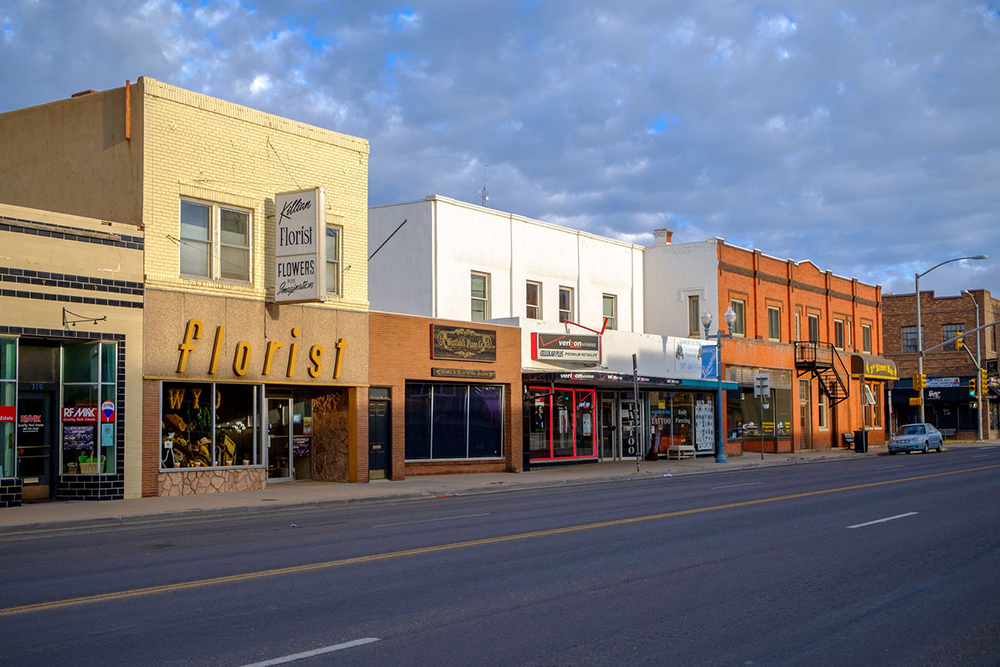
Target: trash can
x,y
861,441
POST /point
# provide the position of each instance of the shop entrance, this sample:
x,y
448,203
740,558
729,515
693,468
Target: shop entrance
x,y
609,429
378,439
35,439
279,441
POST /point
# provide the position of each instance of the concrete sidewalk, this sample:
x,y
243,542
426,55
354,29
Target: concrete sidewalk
x,y
64,514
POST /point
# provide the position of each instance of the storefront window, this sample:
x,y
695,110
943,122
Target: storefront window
x,y
562,423
538,423
586,443
8,406
453,421
206,424
89,408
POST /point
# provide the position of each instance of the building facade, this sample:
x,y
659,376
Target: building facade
x,y
71,340
950,403
577,299
817,336
255,276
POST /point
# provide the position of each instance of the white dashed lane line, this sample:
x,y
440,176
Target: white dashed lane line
x,y
888,518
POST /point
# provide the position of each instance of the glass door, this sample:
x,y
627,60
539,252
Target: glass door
x,y
279,427
34,443
609,428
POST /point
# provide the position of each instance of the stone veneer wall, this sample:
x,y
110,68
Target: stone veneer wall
x,y
331,436
190,482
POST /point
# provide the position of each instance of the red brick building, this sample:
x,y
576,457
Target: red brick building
x,y
947,400
444,397
818,336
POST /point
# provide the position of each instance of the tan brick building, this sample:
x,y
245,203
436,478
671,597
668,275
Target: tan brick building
x,y
947,400
71,304
255,364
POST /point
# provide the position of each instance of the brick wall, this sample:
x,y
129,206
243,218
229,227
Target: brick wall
x,y
400,350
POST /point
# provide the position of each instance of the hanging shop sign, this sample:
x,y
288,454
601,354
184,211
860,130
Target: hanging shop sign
x,y
463,343
873,368
565,347
300,246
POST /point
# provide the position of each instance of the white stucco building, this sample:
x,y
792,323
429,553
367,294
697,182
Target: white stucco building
x,y
580,302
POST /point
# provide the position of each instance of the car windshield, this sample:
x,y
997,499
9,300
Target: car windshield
x,y
912,429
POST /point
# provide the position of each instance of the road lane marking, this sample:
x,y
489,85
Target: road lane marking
x,y
890,468
444,518
888,518
733,486
312,567
312,654
980,456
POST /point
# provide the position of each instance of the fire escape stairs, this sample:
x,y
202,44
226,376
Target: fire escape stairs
x,y
823,362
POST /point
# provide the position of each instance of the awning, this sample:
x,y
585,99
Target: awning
x,y
873,368
602,379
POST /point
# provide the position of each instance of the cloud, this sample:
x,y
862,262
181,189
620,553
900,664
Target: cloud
x,y
862,136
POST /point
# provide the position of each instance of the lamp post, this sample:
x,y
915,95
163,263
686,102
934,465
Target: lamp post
x,y
979,365
706,321
920,333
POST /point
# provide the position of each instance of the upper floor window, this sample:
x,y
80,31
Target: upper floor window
x,y
950,331
838,334
813,328
910,339
739,325
333,260
694,317
798,325
215,241
824,411
611,311
773,323
866,338
480,296
533,300
565,304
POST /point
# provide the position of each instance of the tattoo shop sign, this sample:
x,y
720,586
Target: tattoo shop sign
x,y
300,246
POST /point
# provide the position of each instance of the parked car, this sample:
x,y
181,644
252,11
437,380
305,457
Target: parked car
x,y
916,437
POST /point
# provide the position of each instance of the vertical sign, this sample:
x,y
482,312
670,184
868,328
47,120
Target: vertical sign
x,y
300,246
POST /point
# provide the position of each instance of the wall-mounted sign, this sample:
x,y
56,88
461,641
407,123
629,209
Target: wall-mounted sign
x,y
80,415
463,373
300,246
463,343
687,355
565,347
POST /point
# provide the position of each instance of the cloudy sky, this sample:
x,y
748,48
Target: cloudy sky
x,y
863,136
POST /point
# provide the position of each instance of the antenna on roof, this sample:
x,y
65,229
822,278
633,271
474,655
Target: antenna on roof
x,y
484,194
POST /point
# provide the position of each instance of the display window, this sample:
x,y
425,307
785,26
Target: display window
x,y
204,424
8,407
453,421
89,408
561,423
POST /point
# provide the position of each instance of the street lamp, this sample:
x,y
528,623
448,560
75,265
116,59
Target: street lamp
x,y
920,332
706,321
979,366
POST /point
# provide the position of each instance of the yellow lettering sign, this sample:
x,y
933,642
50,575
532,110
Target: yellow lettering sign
x,y
216,349
315,352
197,397
191,333
341,344
176,398
241,362
272,347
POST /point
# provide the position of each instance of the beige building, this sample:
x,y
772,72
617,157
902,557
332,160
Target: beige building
x,y
255,276
71,304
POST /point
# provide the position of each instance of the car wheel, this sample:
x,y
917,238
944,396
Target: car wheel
x,y
892,452
940,446
925,447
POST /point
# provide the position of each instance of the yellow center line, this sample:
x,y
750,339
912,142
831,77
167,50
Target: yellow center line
x,y
167,588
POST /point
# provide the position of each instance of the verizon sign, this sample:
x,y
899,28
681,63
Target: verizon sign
x,y
565,347
300,246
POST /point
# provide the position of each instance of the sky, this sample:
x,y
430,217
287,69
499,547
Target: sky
x,y
862,136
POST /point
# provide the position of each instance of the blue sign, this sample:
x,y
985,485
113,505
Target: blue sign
x,y
708,364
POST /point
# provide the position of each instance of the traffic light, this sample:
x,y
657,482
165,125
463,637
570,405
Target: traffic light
x,y
972,387
919,381
982,378
959,343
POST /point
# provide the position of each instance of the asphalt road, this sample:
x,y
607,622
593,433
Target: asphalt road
x,y
875,561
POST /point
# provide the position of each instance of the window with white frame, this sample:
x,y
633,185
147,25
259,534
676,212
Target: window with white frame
x,y
866,338
694,316
214,241
565,304
611,311
838,334
813,328
798,325
773,323
333,246
824,408
480,296
533,300
739,325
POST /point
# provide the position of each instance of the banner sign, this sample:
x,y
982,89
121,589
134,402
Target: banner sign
x,y
565,347
687,355
708,370
300,246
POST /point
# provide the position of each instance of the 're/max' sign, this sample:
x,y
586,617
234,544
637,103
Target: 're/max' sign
x,y
564,347
300,246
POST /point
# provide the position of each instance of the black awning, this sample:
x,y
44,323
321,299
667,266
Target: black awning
x,y
873,368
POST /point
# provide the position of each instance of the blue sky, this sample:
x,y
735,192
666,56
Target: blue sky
x,y
862,136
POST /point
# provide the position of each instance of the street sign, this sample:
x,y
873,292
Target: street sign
x,y
762,385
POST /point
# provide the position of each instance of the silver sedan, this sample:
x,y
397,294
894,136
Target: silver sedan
x,y
916,437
